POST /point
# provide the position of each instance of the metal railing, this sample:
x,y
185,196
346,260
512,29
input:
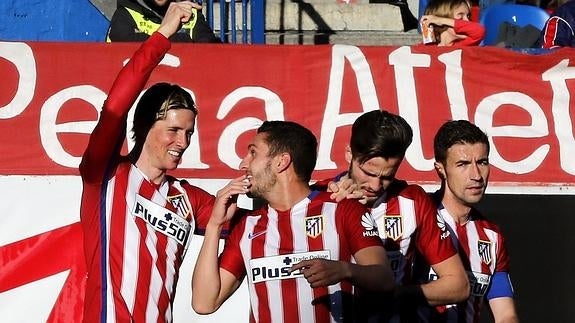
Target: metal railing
x,y
228,26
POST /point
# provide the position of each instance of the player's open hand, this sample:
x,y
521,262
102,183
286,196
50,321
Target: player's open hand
x,y
345,188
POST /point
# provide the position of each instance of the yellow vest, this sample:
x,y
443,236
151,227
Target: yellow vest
x,y
148,27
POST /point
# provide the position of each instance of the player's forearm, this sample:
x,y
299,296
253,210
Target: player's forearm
x,y
446,290
376,278
206,281
503,309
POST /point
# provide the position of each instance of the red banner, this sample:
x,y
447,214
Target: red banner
x,y
51,94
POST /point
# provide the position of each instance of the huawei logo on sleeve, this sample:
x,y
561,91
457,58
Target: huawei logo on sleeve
x,y
369,225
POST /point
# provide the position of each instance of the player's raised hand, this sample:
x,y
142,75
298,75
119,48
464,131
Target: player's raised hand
x,y
225,204
177,13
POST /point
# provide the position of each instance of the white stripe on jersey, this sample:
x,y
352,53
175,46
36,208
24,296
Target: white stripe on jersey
x,y
300,244
131,264
472,237
154,290
331,241
272,234
245,245
493,237
409,225
110,306
407,210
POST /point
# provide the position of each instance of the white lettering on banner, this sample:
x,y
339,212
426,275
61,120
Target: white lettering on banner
x,y
332,118
49,129
403,61
538,128
274,110
21,55
557,76
454,85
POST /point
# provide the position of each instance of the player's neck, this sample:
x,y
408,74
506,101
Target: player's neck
x,y
458,211
284,196
153,174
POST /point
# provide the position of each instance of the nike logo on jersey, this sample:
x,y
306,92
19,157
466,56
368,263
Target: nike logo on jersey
x,y
253,235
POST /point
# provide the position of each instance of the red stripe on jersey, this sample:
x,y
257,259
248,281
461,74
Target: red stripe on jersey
x,y
161,264
321,294
258,251
116,240
145,260
463,245
550,32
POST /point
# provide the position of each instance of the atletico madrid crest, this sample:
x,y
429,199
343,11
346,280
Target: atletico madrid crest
x,y
393,226
484,248
179,202
314,226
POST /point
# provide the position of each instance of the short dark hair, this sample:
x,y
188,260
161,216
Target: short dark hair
x,y
379,133
154,105
456,132
296,140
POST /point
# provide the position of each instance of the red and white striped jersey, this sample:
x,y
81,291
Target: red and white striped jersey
x,y
407,222
267,242
481,247
135,232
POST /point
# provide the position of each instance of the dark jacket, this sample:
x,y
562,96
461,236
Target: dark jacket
x,y
135,20
559,30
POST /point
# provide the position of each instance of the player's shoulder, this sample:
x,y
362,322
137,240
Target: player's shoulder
x,y
187,186
321,196
482,221
348,205
407,190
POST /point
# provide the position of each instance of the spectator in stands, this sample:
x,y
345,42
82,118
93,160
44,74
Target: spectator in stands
x,y
136,20
462,163
559,29
450,23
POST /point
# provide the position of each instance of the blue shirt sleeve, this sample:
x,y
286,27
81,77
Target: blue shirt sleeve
x,y
500,286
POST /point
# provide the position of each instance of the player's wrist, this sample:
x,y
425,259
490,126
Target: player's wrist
x,y
411,295
214,226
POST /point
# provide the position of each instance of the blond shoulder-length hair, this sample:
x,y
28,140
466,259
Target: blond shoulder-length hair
x,y
445,9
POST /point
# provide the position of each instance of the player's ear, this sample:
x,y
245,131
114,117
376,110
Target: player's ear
x,y
282,162
348,155
439,169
